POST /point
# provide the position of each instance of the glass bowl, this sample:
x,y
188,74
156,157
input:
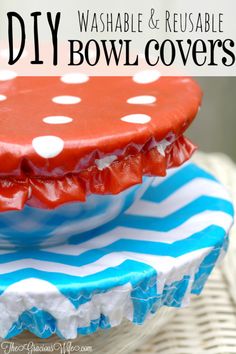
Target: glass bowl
x,y
32,227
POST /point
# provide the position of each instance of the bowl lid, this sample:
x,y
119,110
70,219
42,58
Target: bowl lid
x,y
52,126
156,254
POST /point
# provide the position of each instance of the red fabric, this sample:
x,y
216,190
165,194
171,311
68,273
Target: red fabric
x,y
127,171
63,168
96,129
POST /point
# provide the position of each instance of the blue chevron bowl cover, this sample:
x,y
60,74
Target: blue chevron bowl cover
x,y
158,252
34,227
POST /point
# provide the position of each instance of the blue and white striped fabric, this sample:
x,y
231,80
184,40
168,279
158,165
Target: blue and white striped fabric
x,y
157,253
35,227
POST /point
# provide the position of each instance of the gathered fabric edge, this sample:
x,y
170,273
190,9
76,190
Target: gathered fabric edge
x,y
109,178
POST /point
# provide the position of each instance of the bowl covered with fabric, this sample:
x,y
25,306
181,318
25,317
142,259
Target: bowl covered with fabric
x,y
76,151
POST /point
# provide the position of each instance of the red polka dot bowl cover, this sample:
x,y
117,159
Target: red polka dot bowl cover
x,y
77,138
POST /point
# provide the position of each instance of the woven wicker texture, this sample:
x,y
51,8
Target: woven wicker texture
x,y
121,339
208,325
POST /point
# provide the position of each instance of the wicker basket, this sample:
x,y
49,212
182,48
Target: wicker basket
x,y
122,339
208,326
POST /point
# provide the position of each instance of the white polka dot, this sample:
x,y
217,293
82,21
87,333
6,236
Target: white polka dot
x,y
66,99
7,75
146,77
74,78
3,98
48,146
136,118
57,120
141,100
